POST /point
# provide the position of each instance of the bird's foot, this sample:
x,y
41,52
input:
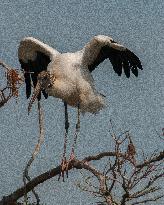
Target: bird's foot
x,y
71,159
64,169
72,156
65,165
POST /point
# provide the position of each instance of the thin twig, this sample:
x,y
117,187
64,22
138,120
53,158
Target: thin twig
x,y
35,152
4,65
13,83
148,200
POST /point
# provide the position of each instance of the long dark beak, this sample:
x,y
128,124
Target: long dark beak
x,y
34,96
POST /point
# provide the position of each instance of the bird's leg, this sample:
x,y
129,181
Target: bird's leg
x,y
72,156
64,160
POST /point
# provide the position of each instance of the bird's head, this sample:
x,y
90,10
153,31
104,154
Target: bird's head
x,y
43,82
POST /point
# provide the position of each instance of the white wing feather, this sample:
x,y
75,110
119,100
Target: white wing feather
x,y
29,46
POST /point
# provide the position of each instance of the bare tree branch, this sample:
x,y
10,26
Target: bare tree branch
x,y
102,155
159,157
148,200
13,83
35,152
78,164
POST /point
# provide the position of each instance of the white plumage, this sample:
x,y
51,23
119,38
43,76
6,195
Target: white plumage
x,y
73,83
71,78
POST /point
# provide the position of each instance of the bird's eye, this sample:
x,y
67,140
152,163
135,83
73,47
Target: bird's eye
x,y
49,85
45,78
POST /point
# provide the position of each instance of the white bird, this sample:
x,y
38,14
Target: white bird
x,y
68,75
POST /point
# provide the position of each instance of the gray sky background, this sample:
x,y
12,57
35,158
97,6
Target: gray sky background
x,y
134,104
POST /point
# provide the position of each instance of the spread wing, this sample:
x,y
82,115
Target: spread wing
x,y
34,57
103,47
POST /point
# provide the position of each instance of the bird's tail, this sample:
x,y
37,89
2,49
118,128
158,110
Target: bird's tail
x,y
93,104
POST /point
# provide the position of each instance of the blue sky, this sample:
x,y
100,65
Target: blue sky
x,y
134,104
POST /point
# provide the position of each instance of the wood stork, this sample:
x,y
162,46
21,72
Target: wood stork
x,y
68,75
